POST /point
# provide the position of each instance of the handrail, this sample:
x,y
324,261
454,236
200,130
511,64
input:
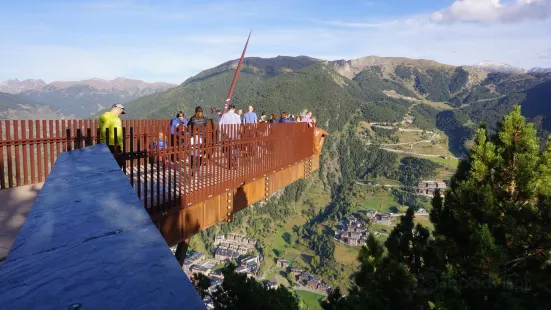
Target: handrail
x,y
184,172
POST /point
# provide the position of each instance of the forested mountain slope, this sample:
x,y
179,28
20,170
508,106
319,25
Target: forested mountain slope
x,y
13,106
453,99
80,99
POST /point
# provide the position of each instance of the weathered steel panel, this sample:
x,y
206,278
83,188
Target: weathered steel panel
x,y
315,163
248,194
178,226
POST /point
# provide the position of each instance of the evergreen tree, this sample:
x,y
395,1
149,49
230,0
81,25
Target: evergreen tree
x,y
495,222
492,238
241,293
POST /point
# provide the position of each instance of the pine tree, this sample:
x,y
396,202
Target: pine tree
x,y
241,293
492,239
495,222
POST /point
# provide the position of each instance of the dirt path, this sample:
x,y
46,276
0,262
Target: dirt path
x,y
464,105
429,140
412,153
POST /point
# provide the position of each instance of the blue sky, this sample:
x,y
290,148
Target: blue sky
x,y
169,40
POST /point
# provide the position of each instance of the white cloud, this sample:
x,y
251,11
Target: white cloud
x,y
359,24
174,59
494,11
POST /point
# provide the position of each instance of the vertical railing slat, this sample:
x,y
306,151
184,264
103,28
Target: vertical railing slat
x,y
9,153
17,155
51,135
25,149
45,150
2,165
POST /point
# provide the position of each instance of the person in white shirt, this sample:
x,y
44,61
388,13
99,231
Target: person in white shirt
x,y
240,113
229,128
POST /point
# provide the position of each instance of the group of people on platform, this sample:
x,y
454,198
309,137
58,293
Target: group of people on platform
x,y
233,117
111,123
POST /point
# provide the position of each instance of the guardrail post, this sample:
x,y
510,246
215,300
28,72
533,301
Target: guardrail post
x,y
308,168
266,188
229,201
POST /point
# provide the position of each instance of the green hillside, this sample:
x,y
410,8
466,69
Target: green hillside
x,y
293,84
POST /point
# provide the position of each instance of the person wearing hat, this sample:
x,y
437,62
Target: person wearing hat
x,y
110,121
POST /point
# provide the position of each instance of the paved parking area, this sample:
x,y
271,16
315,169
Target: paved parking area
x,y
15,205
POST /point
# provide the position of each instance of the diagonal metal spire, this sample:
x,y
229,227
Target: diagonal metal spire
x,y
236,75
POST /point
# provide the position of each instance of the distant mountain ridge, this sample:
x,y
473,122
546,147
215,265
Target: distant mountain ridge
x,y
13,106
496,67
81,98
16,86
119,83
539,70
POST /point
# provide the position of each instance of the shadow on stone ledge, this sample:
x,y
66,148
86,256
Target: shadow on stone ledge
x,y
88,241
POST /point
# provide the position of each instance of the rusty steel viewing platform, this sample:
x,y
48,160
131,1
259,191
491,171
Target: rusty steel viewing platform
x,y
94,223
200,178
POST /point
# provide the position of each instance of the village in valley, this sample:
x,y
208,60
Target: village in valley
x,y
351,231
242,251
354,229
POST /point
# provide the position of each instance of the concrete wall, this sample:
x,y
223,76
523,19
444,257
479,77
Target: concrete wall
x,y
88,243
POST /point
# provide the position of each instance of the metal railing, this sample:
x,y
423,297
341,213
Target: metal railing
x,y
194,165
29,148
202,162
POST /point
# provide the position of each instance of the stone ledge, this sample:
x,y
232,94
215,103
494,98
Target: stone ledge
x,y
89,241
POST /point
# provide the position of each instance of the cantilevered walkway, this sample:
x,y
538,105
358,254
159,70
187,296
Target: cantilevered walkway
x,y
200,178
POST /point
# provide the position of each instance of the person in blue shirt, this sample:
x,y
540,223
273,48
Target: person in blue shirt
x,y
284,118
178,120
250,117
159,148
159,145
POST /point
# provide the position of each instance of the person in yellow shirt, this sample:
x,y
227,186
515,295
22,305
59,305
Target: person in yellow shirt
x,y
110,120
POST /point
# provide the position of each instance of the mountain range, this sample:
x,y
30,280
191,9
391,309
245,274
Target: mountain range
x,y
374,89
77,99
454,99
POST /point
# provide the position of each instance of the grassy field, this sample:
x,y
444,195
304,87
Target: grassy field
x,y
346,254
439,105
197,244
440,149
384,228
347,264
425,221
451,162
381,201
411,136
277,245
312,300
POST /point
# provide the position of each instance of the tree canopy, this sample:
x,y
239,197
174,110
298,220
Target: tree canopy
x,y
239,292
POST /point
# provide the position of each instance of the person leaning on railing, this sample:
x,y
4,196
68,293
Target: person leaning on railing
x,y
272,118
176,126
263,117
196,126
285,119
108,123
228,124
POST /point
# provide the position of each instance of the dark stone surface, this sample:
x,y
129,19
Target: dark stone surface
x,y
89,241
